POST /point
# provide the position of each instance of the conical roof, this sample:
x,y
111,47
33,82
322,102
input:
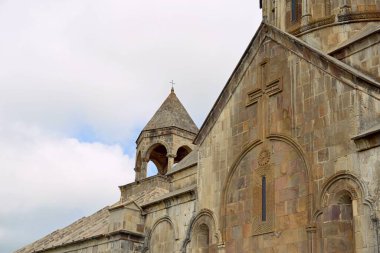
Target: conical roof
x,y
172,114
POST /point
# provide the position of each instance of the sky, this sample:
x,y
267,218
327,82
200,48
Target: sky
x,y
79,79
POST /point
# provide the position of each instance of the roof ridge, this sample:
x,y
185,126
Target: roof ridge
x,y
328,57
59,237
361,34
259,36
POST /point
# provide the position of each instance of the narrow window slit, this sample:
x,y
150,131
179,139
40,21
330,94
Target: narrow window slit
x,y
294,10
263,198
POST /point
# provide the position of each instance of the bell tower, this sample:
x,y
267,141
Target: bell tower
x,y
325,24
166,139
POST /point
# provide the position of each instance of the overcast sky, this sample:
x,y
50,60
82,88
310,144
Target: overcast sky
x,y
79,79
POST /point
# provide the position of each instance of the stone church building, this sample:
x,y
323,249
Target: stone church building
x,y
287,160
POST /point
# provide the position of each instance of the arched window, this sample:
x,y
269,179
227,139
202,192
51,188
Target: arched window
x,y
152,169
293,13
158,155
181,153
294,10
338,228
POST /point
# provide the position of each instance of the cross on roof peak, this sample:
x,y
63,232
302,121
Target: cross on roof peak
x,y
172,83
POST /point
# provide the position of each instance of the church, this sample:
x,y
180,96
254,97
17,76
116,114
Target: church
x,y
287,160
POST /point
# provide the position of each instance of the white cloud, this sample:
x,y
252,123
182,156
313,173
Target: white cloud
x,y
65,63
54,169
42,173
98,69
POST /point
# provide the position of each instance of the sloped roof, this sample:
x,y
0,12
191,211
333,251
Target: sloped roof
x,y
172,114
84,228
372,130
148,196
188,161
93,226
363,33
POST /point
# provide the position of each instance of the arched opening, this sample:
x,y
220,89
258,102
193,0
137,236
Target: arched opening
x,y
338,227
158,155
201,239
162,239
182,152
152,169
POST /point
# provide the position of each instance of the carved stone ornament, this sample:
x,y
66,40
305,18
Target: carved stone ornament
x,y
264,157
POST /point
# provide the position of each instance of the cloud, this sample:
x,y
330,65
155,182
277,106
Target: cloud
x,y
80,79
45,175
69,64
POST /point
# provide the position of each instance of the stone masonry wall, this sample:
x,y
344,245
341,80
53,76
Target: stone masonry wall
x,y
316,112
363,55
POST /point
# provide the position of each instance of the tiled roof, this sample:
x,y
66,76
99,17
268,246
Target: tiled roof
x,y
88,227
84,228
172,114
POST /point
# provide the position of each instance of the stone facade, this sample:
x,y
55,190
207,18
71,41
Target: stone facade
x,y
286,161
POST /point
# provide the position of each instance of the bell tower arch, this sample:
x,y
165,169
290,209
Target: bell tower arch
x,y
166,139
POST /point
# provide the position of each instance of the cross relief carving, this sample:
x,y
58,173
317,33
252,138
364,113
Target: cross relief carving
x,y
263,177
262,94
265,88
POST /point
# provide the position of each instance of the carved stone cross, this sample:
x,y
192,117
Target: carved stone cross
x,y
262,94
172,83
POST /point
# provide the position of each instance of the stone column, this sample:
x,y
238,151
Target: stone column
x,y
141,172
170,161
221,248
306,14
311,231
376,225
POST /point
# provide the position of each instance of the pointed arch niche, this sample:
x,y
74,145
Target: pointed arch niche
x,y
163,236
345,213
267,186
202,235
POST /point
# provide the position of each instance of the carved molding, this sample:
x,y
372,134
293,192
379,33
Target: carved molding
x,y
358,16
314,24
343,181
346,16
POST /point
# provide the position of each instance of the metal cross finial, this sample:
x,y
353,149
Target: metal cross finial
x,y
172,83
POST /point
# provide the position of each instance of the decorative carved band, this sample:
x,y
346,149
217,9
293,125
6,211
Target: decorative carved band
x,y
314,24
358,16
